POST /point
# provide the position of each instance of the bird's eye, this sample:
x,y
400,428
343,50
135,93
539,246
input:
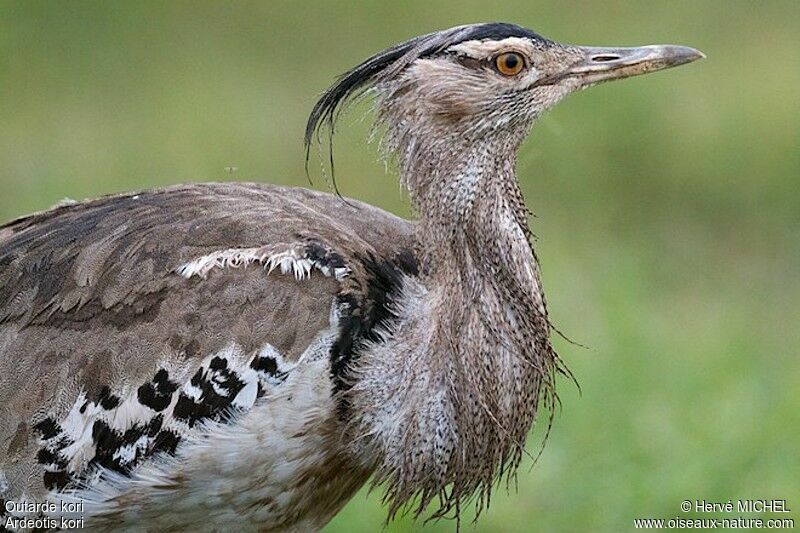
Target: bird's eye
x,y
509,63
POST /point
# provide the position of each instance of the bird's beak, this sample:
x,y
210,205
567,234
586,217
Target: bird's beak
x,y
599,64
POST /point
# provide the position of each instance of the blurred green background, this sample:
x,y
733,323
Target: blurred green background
x,y
668,208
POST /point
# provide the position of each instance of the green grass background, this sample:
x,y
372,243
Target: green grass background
x,y
668,208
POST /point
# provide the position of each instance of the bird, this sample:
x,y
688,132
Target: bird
x,y
238,354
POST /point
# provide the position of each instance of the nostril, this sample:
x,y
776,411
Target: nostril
x,y
604,58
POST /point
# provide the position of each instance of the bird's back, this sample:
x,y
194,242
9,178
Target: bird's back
x,y
151,339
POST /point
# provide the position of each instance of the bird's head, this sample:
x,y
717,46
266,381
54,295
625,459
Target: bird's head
x,y
480,81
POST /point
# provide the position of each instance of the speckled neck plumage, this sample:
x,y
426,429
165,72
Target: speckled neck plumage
x,y
461,372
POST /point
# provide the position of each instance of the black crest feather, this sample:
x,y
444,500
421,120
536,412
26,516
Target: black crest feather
x,y
390,62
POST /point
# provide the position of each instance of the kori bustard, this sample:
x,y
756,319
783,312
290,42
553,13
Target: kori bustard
x,y
217,355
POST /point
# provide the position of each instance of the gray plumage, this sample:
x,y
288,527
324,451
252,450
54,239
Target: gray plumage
x,y
268,349
112,307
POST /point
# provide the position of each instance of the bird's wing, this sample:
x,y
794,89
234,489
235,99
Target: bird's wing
x,y
113,314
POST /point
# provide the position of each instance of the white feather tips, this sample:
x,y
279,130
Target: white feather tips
x,y
290,261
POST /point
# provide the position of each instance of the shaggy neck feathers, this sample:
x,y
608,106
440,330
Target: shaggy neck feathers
x,y
447,401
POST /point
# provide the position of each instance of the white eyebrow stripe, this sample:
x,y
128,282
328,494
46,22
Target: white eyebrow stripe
x,y
481,49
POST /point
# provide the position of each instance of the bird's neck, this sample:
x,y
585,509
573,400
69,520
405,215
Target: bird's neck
x,y
472,216
477,260
450,396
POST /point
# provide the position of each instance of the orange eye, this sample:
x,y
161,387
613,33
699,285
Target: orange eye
x,y
509,63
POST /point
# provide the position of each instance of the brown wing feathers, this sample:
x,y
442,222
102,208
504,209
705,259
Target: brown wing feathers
x,y
91,304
